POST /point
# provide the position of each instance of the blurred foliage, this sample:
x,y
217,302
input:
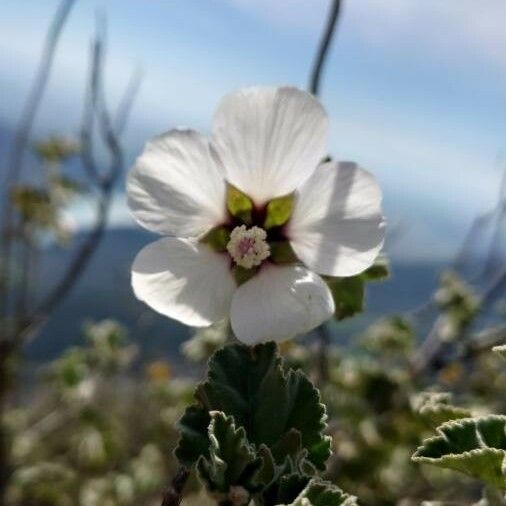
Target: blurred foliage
x,y
99,432
94,435
41,207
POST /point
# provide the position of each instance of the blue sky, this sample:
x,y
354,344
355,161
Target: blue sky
x,y
416,90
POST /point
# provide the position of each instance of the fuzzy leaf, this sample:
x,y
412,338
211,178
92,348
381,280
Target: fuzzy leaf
x,y
288,479
239,204
436,409
279,211
323,493
251,385
286,489
194,439
500,350
348,294
474,446
232,461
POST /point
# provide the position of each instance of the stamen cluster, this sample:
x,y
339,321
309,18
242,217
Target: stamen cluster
x,y
248,247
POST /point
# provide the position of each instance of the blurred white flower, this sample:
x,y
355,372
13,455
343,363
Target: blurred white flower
x,y
266,143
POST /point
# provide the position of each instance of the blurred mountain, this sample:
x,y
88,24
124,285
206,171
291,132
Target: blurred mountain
x,y
104,292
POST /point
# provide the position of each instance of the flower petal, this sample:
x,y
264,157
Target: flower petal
x,y
269,139
176,187
185,280
279,303
337,227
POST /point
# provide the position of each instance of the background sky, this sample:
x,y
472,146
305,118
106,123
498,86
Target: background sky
x,y
416,91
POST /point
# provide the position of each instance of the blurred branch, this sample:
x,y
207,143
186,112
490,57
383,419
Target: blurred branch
x,y
428,355
37,91
17,244
322,358
324,46
491,284
7,228
494,219
174,494
125,106
18,150
25,261
104,181
322,52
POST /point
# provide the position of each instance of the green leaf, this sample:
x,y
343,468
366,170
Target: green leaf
x,y
194,439
287,480
435,409
474,446
239,204
282,252
241,274
348,294
378,271
279,211
232,461
217,239
286,488
323,493
500,350
56,149
251,385
34,205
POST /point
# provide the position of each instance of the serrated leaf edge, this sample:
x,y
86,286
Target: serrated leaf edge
x,y
470,453
200,400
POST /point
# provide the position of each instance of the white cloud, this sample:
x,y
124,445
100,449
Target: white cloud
x,y
294,15
451,30
454,29
428,171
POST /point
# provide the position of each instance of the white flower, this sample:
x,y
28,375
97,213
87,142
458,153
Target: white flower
x,y
266,143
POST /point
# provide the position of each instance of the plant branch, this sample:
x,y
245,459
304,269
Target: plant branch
x,y
324,46
174,494
322,333
104,182
21,139
37,91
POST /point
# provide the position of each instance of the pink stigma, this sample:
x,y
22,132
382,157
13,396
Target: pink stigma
x,y
245,246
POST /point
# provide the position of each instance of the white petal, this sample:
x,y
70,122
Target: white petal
x,y
337,227
269,140
176,187
279,303
185,280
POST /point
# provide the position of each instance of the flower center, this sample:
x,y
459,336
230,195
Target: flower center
x,y
248,246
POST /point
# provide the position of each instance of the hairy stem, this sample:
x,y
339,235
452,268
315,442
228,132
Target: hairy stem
x,y
174,494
